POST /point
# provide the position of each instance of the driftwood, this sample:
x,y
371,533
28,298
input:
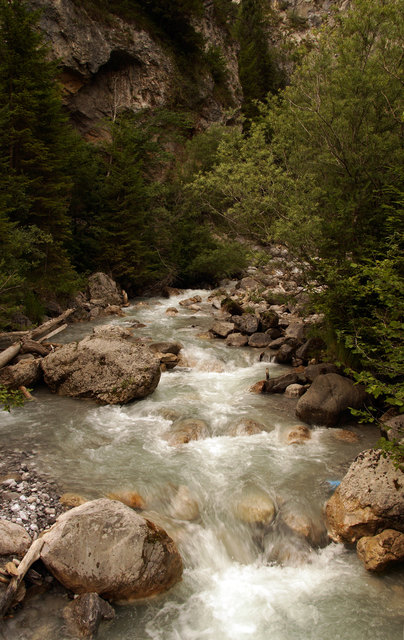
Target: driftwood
x,y
33,554
28,338
31,346
44,328
9,353
26,393
53,333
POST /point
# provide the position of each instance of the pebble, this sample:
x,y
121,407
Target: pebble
x,y
15,507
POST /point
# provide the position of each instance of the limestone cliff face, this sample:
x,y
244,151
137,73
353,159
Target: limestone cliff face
x,y
109,66
298,17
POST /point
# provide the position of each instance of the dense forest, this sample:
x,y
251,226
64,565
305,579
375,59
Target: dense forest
x,y
314,162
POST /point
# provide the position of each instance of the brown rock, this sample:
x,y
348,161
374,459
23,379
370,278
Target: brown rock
x,y
380,552
245,427
236,340
370,498
103,291
298,435
247,323
260,340
84,615
71,500
166,347
132,499
294,391
183,505
171,311
222,329
255,507
281,383
105,547
187,429
258,387
190,301
345,435
25,373
313,370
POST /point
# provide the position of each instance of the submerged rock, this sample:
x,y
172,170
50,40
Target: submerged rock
x,y
187,429
255,507
370,498
245,427
105,366
183,505
105,547
298,435
328,398
382,551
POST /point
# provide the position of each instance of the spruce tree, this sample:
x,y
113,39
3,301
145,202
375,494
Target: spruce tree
x,y
34,142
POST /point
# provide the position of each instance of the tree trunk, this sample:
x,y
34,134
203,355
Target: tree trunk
x,y
9,353
30,557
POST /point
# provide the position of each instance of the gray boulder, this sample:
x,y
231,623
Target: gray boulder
x,y
103,291
106,366
280,384
236,340
328,399
260,340
313,370
247,323
285,353
369,499
393,428
222,329
105,547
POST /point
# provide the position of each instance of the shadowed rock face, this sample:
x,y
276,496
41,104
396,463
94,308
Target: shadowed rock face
x,y
105,366
328,398
106,548
370,498
110,65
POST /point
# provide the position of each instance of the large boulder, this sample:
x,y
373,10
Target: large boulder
x,y
105,547
106,366
260,340
103,291
84,614
393,428
328,398
247,323
222,329
380,552
369,499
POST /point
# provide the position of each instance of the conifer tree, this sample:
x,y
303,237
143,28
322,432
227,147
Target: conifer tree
x,y
34,141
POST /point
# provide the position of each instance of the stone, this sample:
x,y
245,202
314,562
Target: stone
x,y
345,435
236,340
231,306
313,370
298,435
190,301
260,340
70,500
328,398
103,291
258,387
171,311
304,526
277,343
84,615
25,373
105,366
285,354
166,347
249,284
281,383
14,540
255,507
245,427
105,547
132,499
247,323
294,391
370,498
167,360
296,330
393,428
382,551
269,320
187,429
183,505
114,310
222,329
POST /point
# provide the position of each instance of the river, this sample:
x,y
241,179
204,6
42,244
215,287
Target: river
x,y
239,582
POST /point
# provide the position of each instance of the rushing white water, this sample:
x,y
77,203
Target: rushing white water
x,y
240,582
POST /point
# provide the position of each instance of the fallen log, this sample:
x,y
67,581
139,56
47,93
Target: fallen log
x,y
44,328
9,353
53,333
33,554
32,346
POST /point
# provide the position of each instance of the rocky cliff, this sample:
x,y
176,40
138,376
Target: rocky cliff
x,y
109,64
